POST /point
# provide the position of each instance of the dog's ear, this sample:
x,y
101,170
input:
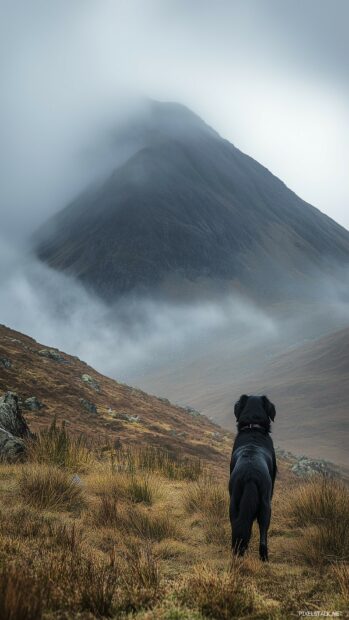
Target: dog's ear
x,y
269,408
239,405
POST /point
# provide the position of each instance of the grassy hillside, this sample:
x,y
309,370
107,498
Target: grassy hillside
x,y
101,408
136,534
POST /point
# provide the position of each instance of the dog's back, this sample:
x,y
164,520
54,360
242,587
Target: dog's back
x,y
252,476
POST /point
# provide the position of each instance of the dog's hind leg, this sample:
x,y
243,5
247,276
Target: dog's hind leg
x,y
263,518
242,520
234,513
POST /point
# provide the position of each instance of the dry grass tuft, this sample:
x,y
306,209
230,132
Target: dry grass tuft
x,y
142,567
325,543
322,506
20,594
140,583
106,514
321,499
151,459
210,501
137,488
136,520
68,537
168,549
24,522
141,489
341,574
97,583
150,525
49,487
57,447
218,595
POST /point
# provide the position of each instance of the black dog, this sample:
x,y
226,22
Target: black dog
x,y
252,472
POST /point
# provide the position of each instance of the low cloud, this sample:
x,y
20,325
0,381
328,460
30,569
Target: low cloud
x,y
121,339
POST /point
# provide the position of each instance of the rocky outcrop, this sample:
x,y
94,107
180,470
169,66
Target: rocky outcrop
x,y
13,429
306,468
91,382
51,354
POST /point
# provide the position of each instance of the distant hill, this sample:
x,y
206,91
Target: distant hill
x,y
309,384
188,211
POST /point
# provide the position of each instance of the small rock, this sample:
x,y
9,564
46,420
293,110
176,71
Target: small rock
x,y
33,404
164,400
76,480
192,411
175,433
51,354
126,417
90,382
90,407
5,362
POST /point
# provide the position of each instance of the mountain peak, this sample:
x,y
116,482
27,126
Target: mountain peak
x,y
189,207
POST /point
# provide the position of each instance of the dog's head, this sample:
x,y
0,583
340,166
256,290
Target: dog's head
x,y
254,410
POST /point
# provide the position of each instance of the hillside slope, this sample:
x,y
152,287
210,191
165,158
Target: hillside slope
x,y
188,209
309,383
109,412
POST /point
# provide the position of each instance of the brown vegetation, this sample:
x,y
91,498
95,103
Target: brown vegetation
x,y
321,507
142,542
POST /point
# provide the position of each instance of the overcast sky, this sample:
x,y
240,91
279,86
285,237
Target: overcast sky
x,y
269,75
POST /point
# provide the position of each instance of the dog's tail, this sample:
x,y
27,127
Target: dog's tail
x,y
242,526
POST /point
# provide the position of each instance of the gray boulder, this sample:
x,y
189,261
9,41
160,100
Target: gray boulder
x,y
91,382
86,404
33,404
13,429
192,411
5,362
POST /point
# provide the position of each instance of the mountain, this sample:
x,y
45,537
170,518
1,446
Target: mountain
x,y
188,211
